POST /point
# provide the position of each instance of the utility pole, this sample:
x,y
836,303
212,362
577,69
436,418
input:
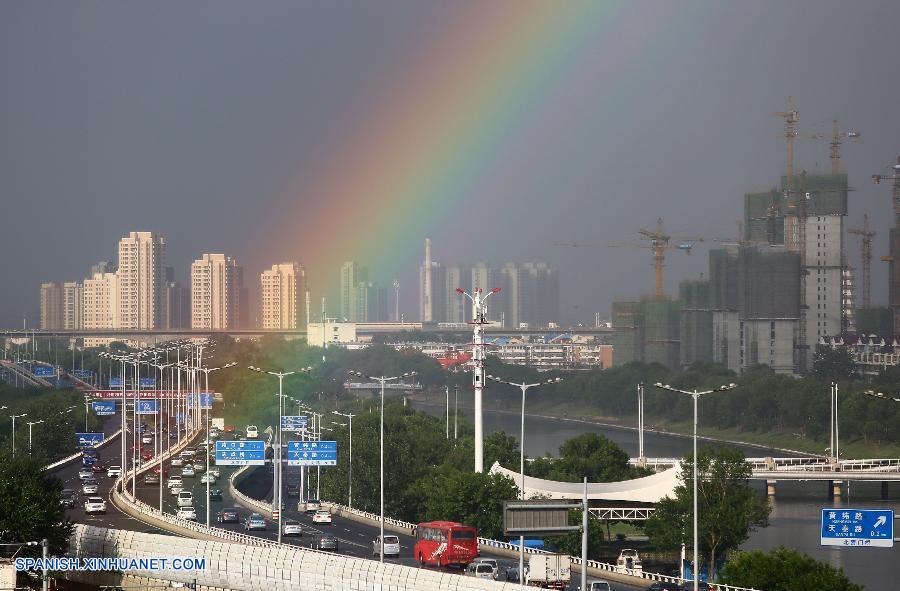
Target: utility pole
x,y
479,319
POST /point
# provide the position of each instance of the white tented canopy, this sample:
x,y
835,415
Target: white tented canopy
x,y
649,489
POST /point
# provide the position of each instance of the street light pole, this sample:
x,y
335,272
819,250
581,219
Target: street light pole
x,y
479,319
524,388
14,417
350,463
383,380
276,496
30,424
696,396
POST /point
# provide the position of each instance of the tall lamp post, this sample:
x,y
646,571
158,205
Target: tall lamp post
x,y
349,417
479,319
159,455
524,388
30,424
14,417
696,396
382,380
276,498
206,371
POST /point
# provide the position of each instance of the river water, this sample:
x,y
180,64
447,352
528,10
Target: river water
x,y
794,521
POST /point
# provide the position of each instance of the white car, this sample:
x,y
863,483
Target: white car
x,y
95,505
177,461
292,528
252,432
207,478
322,516
214,472
89,487
85,473
175,481
187,513
186,499
113,471
391,546
491,561
176,490
481,570
147,439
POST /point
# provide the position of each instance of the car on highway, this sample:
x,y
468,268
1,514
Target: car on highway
x,y
113,471
67,498
175,481
187,513
665,586
88,460
391,546
481,570
188,472
228,516
327,542
199,466
177,461
151,478
252,432
147,439
94,505
185,499
292,490
89,486
208,478
689,586
310,506
291,527
215,472
492,561
174,490
215,495
599,586
98,468
85,473
322,516
254,521
188,453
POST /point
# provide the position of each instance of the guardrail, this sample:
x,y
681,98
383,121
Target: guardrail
x,y
77,455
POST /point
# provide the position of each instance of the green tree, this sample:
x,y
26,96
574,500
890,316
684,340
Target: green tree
x,y
570,543
833,364
784,570
468,497
728,509
30,508
589,454
501,447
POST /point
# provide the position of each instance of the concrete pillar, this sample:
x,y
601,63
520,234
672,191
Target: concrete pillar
x,y
770,487
884,489
836,488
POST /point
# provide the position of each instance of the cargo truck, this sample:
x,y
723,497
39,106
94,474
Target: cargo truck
x,y
550,571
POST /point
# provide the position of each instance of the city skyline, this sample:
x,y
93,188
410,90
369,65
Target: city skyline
x,y
594,150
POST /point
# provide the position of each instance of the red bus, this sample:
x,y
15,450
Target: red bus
x,y
442,543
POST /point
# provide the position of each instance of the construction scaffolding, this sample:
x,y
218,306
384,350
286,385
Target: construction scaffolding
x,y
696,322
627,320
662,332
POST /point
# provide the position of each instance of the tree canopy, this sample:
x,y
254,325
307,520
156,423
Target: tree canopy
x,y
784,570
30,508
728,508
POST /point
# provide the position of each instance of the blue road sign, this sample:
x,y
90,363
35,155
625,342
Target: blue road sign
x,y
104,408
240,453
44,371
312,453
858,527
83,374
147,407
148,383
89,439
115,382
294,422
206,400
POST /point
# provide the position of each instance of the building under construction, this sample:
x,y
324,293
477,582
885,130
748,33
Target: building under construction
x,y
696,322
648,330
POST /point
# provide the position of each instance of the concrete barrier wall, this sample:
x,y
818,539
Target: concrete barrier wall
x,y
249,568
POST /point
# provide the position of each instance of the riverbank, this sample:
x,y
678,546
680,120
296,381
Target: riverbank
x,y
787,443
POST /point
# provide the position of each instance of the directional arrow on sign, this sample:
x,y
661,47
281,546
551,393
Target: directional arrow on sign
x,y
880,521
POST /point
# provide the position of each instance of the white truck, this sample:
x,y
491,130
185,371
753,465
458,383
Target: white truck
x,y
550,571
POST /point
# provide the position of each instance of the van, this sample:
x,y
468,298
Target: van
x,y
185,499
252,432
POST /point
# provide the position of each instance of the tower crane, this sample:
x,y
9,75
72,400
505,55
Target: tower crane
x,y
658,244
865,252
791,117
836,138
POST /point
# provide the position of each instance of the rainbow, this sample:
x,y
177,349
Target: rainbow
x,y
435,141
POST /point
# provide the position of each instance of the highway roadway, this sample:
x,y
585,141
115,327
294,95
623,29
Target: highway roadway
x,y
354,538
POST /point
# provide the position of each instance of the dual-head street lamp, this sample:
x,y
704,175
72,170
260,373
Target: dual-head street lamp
x,y
276,497
695,394
382,380
349,417
524,387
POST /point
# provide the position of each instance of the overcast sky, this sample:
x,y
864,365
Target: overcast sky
x,y
203,120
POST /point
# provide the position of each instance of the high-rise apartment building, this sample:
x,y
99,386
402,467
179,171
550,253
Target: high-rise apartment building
x,y
101,301
51,306
371,303
73,305
141,277
458,304
352,274
216,289
283,296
